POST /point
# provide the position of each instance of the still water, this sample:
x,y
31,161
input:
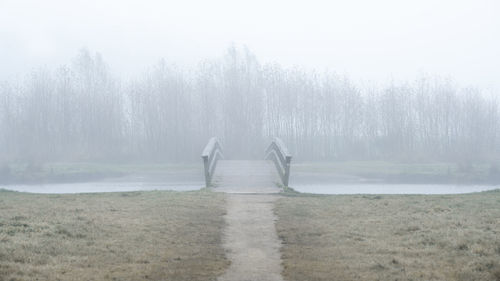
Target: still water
x,y
192,179
329,183
178,180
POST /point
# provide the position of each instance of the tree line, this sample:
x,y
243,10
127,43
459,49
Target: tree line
x,y
83,112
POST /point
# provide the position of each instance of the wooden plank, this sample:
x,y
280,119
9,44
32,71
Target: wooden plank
x,y
240,176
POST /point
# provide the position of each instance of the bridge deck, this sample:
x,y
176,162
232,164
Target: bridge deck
x,y
241,176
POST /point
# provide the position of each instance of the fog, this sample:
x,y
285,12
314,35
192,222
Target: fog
x,y
374,42
83,112
261,139
130,81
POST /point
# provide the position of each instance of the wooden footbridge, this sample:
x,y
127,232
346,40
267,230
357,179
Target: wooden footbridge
x,y
268,175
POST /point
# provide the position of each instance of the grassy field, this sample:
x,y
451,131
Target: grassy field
x,y
161,235
399,172
398,237
112,236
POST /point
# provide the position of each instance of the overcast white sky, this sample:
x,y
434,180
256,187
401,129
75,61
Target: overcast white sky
x,y
370,40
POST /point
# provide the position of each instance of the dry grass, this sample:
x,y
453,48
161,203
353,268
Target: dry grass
x,y
452,237
112,236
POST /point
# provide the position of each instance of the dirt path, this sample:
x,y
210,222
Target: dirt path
x,y
250,239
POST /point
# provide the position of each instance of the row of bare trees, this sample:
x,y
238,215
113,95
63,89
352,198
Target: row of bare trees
x,y
82,112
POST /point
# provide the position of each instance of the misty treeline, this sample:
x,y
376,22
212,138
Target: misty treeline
x,y
83,112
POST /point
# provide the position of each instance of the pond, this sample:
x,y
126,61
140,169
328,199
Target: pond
x,y
329,183
175,180
191,178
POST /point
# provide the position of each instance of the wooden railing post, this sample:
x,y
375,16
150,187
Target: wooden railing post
x,y
206,168
287,170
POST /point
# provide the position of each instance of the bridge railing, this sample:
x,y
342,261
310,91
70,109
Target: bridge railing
x,y
278,152
210,155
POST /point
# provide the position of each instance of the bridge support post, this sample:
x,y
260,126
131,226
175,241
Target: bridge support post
x,y
287,171
207,169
